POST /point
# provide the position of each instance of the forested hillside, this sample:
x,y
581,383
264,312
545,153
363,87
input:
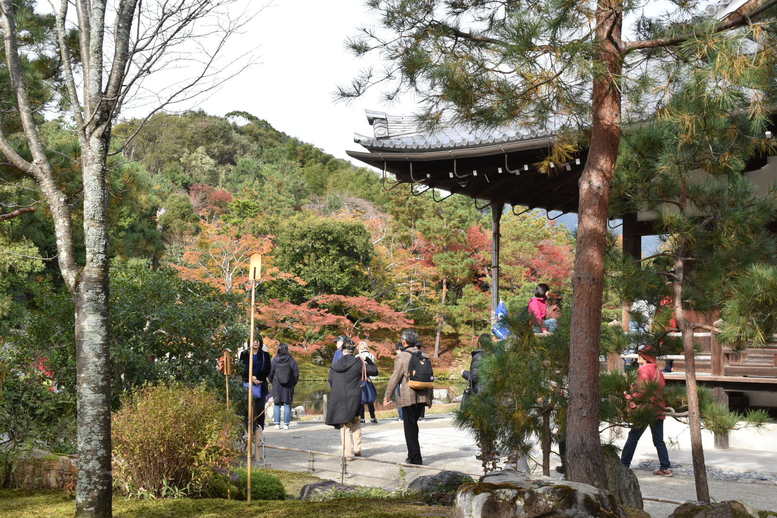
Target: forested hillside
x,y
193,195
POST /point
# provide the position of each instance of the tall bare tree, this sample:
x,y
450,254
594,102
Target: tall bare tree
x,y
553,66
120,46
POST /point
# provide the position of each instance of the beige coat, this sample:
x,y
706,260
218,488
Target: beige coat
x,y
399,377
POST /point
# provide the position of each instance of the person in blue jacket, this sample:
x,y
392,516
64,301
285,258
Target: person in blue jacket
x,y
341,341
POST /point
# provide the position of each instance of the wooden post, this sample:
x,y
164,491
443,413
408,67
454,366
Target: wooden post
x,y
496,218
226,361
255,271
545,441
721,397
631,242
716,352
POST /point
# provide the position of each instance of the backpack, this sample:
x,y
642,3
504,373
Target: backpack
x,y
283,372
420,372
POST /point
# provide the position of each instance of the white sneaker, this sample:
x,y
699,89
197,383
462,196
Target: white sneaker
x,y
284,427
279,426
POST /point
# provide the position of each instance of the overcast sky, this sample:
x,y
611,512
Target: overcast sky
x,y
301,59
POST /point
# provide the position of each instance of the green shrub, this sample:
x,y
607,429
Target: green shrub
x,y
171,438
264,486
220,486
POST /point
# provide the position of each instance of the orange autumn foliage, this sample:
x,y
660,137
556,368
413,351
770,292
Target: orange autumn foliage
x,y
219,256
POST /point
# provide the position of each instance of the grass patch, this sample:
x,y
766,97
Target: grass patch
x,y
21,504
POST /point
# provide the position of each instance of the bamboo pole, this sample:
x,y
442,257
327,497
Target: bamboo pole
x,y
255,270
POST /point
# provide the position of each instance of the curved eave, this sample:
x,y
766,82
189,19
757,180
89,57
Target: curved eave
x,y
377,154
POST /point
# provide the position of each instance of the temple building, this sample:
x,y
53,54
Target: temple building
x,y
498,168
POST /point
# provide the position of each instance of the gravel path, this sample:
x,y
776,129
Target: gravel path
x,y
744,474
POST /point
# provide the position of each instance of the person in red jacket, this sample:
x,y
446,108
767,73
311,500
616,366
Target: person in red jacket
x,y
648,373
544,316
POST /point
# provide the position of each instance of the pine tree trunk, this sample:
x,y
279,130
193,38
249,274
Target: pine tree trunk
x,y
94,486
546,443
694,415
584,454
440,319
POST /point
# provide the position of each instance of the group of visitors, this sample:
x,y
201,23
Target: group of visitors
x,y
351,388
410,386
280,372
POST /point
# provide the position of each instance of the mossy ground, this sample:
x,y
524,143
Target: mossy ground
x,y
26,504
16,503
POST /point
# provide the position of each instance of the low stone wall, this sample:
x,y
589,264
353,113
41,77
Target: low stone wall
x,y
45,471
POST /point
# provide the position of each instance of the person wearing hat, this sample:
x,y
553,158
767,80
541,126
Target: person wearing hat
x,y
641,395
366,355
345,397
341,340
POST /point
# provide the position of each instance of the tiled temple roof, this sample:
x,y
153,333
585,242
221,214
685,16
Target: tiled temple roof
x,y
402,133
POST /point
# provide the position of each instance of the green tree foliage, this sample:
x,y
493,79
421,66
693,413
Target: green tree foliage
x,y
750,312
18,259
164,329
34,411
332,257
522,392
693,181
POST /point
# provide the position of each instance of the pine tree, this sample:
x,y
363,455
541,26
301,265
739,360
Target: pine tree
x,y
555,66
687,168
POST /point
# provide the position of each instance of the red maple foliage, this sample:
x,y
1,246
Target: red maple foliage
x,y
310,325
306,328
553,263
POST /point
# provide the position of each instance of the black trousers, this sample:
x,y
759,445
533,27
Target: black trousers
x,y
259,403
411,415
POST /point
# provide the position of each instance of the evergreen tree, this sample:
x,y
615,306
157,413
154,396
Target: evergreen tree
x,y
692,179
563,67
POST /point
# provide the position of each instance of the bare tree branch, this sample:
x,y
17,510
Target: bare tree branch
x,y
15,213
67,64
745,15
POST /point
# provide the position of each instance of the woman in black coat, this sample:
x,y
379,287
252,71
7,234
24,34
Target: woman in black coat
x,y
261,367
345,398
284,375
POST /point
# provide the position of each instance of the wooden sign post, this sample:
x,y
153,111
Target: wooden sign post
x,y
255,272
227,368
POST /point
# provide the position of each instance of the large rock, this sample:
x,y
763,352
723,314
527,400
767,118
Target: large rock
x,y
44,470
727,509
534,499
316,490
621,481
441,488
505,476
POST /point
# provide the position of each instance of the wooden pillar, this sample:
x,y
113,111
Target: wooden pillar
x,y
632,247
496,218
721,397
716,353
